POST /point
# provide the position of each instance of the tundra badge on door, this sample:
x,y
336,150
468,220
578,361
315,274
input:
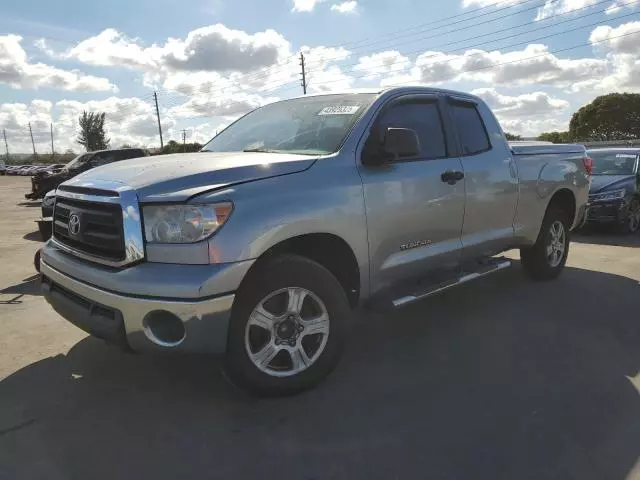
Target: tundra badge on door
x,y
415,244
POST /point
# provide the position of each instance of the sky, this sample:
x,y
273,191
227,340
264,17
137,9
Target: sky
x,y
209,61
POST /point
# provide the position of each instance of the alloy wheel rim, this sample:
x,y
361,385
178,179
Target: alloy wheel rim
x,y
556,245
287,332
634,216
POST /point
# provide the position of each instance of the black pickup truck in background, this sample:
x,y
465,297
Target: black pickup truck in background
x,y
44,182
43,186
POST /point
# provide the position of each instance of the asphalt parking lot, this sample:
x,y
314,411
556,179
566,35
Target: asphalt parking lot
x,y
500,379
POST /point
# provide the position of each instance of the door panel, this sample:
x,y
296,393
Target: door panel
x,y
414,218
490,180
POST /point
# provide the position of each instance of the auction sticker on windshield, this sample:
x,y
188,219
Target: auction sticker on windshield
x,y
339,110
625,155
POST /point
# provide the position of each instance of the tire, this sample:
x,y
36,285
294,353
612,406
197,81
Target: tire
x,y
36,260
272,286
536,261
632,219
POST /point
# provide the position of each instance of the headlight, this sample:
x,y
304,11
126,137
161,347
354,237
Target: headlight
x,y
183,223
612,195
49,199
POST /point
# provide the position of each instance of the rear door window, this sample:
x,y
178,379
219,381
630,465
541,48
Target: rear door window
x,y
471,129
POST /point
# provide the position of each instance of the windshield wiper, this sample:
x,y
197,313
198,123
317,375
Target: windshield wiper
x,y
261,150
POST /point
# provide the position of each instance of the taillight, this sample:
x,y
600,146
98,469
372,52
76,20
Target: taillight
x,y
588,164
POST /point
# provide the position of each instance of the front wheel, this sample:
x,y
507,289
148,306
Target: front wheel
x,y
288,327
547,257
632,223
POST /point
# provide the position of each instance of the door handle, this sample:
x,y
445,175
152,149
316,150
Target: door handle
x,y
452,176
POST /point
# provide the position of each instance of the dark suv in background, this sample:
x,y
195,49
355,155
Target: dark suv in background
x,y
614,197
44,182
44,186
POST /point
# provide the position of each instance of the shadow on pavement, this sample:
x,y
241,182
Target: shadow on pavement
x,y
33,236
501,379
35,203
28,286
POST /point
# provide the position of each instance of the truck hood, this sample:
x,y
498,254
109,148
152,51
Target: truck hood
x,y
178,177
601,183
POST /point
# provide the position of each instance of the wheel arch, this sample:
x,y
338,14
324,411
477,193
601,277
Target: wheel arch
x,y
327,249
564,199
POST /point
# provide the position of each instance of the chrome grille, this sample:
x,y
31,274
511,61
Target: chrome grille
x,y
108,215
100,231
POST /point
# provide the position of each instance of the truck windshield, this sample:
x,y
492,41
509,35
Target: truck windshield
x,y
77,162
613,163
309,125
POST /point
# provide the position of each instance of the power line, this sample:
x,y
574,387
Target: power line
x,y
540,55
466,27
434,22
178,101
515,27
475,37
474,54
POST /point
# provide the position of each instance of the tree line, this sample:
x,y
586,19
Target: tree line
x,y
611,117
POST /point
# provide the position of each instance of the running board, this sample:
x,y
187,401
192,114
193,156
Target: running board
x,y
493,265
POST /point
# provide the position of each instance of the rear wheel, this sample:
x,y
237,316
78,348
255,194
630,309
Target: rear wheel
x,y
547,257
288,327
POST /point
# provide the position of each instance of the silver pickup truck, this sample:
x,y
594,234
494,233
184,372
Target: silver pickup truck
x,y
260,245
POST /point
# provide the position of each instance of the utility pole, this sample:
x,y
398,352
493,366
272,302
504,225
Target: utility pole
x,y
304,74
52,150
6,145
184,140
155,97
35,154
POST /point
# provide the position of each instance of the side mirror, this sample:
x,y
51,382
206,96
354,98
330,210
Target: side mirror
x,y
401,142
397,143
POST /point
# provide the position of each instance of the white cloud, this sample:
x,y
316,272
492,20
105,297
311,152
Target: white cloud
x,y
229,105
525,105
322,73
486,3
214,48
532,65
17,72
382,63
622,47
533,128
554,7
128,120
622,39
350,6
304,5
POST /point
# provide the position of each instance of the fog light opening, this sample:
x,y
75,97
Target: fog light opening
x,y
164,328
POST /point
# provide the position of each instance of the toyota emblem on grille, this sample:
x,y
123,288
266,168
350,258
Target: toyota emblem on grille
x,y
74,224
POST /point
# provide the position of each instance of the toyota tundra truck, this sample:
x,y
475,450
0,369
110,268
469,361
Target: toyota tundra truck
x,y
259,246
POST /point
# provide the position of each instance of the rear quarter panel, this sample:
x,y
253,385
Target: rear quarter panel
x,y
543,171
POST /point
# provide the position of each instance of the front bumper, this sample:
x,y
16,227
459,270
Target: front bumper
x,y
614,211
121,318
